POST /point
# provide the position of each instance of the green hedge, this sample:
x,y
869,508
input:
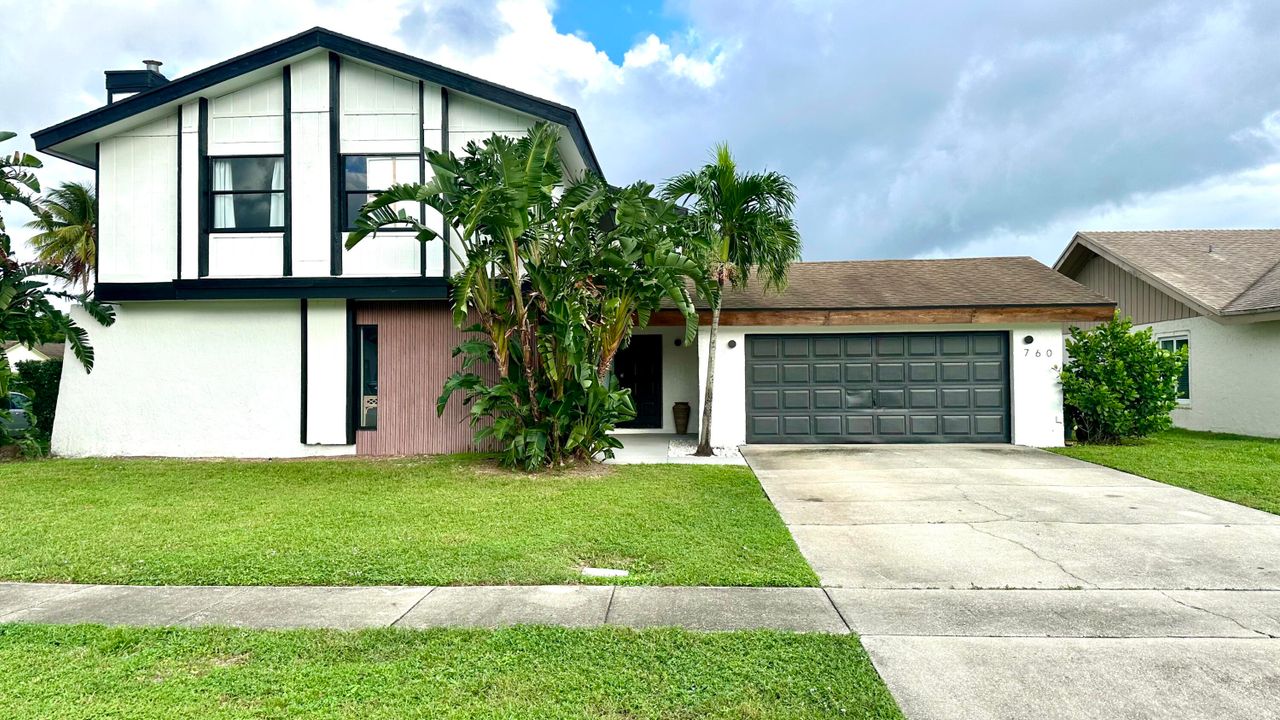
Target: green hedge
x,y
39,379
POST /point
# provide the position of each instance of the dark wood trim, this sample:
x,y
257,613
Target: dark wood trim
x,y
422,172
97,189
288,170
353,388
896,316
335,166
444,148
202,186
302,373
291,288
178,273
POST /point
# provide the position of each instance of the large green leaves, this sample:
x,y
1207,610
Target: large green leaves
x,y
553,274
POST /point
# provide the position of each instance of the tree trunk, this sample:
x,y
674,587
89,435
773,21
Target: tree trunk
x,y
704,427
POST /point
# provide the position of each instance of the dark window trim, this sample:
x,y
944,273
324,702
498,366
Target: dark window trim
x,y
344,193
302,373
444,148
212,194
352,381
359,358
287,112
335,164
410,287
178,272
202,186
422,171
97,189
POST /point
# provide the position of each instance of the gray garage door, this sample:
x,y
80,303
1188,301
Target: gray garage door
x,y
913,387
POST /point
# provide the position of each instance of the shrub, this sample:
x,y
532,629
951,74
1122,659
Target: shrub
x,y
40,379
1118,383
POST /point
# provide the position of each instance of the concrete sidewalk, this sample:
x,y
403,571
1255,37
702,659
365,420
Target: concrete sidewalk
x,y
351,608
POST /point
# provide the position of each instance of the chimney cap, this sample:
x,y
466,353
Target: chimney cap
x,y
152,65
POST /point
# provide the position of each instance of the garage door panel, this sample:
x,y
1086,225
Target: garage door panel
x,y
892,387
988,424
855,399
795,399
828,399
827,373
857,372
795,373
924,424
764,399
797,425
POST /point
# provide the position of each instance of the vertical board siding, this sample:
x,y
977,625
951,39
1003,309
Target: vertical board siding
x,y
1136,298
415,345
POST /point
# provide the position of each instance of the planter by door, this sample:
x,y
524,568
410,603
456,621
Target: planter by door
x,y
680,413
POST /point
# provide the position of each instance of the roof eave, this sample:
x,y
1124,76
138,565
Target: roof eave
x,y
1083,240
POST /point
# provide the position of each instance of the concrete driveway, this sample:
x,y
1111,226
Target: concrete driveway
x,y
1004,582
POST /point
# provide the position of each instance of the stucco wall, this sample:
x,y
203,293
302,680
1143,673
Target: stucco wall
x,y
199,379
1234,378
1036,396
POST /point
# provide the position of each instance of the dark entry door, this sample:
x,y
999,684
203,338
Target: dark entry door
x,y
638,368
890,388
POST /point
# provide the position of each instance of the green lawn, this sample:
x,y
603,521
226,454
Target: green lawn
x,y
524,672
449,520
1241,469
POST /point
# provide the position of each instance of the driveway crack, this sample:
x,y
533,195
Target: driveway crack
x,y
1241,625
965,494
1029,549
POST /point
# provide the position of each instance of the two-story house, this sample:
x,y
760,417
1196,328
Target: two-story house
x,y
246,329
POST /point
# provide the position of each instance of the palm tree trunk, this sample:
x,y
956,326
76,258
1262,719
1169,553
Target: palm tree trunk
x,y
704,427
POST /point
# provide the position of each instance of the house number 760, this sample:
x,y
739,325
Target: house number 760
x,y
1026,352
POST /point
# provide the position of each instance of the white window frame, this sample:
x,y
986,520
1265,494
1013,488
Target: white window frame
x,y
1175,336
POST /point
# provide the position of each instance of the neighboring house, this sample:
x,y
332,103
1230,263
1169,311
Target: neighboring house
x,y
20,353
244,328
1214,292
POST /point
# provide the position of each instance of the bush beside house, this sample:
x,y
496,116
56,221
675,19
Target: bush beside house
x,y
1118,383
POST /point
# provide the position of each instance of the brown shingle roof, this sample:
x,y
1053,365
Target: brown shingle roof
x,y
876,284
1223,271
52,351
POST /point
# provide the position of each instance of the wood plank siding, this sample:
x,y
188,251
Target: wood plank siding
x,y
1136,298
415,344
893,316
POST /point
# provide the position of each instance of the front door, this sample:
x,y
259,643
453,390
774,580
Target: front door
x,y
638,368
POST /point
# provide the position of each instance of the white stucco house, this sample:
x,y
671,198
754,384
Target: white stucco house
x,y
1215,292
244,328
17,352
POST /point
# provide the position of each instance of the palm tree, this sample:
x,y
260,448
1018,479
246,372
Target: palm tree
x,y
68,221
745,220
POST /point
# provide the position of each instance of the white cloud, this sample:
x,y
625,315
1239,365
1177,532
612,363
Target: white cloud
x,y
704,72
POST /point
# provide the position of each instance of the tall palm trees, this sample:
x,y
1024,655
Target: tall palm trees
x,y
746,221
68,221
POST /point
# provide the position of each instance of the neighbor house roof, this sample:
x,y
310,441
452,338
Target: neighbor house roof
x,y
1219,272
49,139
53,351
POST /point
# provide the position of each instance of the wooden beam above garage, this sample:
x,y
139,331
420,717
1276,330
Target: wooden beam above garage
x,y
899,316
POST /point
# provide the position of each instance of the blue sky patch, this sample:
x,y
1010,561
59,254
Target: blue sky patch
x,y
615,26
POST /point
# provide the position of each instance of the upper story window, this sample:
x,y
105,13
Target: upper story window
x,y
1173,344
365,176
247,193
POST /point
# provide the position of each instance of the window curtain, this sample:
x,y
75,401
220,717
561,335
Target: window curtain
x,y
277,198
224,209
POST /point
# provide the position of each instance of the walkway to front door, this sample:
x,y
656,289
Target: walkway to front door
x,y
995,581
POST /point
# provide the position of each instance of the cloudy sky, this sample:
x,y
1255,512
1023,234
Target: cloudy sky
x,y
911,128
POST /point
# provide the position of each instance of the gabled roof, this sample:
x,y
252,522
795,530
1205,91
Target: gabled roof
x,y
53,351
1218,272
910,284
192,84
